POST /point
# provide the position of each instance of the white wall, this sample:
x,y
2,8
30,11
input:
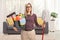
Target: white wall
x,y
2,15
38,7
57,9
54,6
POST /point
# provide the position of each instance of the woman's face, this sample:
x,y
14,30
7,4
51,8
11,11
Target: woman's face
x,y
28,8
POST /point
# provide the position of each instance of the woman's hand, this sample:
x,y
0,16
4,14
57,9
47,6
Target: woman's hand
x,y
44,25
15,29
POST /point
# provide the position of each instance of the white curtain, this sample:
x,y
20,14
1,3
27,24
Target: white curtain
x,y
12,5
57,9
38,7
54,6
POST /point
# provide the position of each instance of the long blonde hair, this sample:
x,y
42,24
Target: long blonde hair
x,y
26,9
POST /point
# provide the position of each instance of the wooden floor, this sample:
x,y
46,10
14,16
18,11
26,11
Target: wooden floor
x,y
50,36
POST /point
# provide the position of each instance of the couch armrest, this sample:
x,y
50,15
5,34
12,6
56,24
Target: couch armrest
x,y
46,28
5,27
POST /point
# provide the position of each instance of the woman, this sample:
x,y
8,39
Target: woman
x,y
31,21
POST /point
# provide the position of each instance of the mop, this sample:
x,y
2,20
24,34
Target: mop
x,y
41,22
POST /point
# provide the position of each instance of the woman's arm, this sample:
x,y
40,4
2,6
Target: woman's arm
x,y
35,20
36,23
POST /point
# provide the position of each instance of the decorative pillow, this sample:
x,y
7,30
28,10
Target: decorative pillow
x,y
40,21
10,21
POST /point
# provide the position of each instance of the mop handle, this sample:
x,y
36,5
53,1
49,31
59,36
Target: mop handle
x,y
43,33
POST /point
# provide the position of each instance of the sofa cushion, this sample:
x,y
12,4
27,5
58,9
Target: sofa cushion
x,y
15,25
40,21
10,28
38,27
10,21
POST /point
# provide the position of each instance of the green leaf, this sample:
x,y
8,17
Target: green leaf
x,y
53,14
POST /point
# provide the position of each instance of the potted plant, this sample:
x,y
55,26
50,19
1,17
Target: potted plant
x,y
53,15
52,22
